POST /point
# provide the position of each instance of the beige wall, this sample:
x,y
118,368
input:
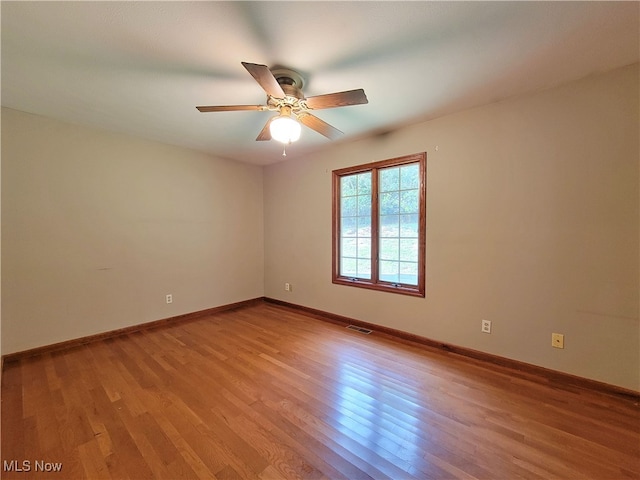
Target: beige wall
x,y
532,223
99,227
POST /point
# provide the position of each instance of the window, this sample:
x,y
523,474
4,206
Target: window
x,y
379,225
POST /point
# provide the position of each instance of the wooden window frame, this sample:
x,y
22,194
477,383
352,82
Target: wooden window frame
x,y
374,283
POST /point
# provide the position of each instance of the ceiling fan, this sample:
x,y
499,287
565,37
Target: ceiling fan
x,y
284,95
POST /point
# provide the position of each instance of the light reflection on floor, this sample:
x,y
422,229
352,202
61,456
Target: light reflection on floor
x,y
375,414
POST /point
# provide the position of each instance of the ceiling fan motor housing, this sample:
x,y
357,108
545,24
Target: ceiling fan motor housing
x,y
290,81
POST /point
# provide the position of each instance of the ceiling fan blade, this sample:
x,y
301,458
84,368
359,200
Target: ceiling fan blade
x,y
265,78
265,133
230,108
339,99
319,125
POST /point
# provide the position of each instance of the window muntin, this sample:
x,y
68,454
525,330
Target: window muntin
x,y
379,225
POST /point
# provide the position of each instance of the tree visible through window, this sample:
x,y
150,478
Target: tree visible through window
x,y
379,225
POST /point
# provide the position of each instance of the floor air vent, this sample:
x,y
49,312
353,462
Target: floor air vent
x,y
359,329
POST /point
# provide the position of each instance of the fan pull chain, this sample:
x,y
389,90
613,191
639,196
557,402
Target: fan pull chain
x,y
284,149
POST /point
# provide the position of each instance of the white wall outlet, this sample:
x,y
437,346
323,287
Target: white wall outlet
x,y
169,298
557,340
287,287
486,326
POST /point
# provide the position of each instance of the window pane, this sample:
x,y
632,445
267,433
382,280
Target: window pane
x,y
348,266
408,250
364,226
348,227
410,176
409,200
349,206
389,249
389,179
409,226
364,205
364,184
349,247
364,248
389,271
389,203
390,226
409,273
348,185
364,269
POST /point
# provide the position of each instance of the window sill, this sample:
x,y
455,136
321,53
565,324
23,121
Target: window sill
x,y
381,287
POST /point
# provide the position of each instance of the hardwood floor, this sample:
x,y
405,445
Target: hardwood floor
x,y
265,392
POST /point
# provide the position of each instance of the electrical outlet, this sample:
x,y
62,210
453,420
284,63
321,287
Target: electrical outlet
x,y
169,298
486,326
557,340
287,287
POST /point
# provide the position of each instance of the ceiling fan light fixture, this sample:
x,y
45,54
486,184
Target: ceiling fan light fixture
x,y
283,87
284,128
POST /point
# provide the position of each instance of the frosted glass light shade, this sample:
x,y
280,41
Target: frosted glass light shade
x,y
285,129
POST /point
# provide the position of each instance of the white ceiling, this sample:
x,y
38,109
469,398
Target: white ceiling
x,y
142,67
